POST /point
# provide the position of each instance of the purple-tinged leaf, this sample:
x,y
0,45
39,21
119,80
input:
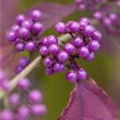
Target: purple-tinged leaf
x,y
53,13
89,102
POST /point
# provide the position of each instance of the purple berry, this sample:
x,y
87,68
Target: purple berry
x,y
74,27
37,28
71,76
49,71
24,61
22,113
98,15
19,47
69,48
97,35
15,28
58,67
94,45
24,33
90,57
38,110
60,28
44,50
78,42
6,115
14,99
27,24
5,85
63,56
30,46
19,19
82,75
18,69
54,49
35,96
48,61
35,15
88,30
23,84
83,52
85,20
11,36
52,40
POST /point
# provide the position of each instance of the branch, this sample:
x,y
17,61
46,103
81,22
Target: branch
x,y
30,67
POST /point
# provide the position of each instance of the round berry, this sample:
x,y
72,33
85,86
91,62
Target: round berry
x,y
6,115
90,57
54,49
88,30
38,110
24,61
37,28
97,35
48,61
35,96
49,71
44,50
74,27
19,47
78,42
82,75
14,99
24,33
15,28
71,76
20,18
11,36
30,46
18,69
52,40
27,24
60,28
69,48
94,45
35,15
23,84
83,52
63,56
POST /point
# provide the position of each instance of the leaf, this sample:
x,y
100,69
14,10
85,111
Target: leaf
x,y
53,13
89,102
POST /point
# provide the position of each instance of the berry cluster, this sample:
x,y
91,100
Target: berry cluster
x,y
109,17
23,62
23,109
89,4
25,32
85,41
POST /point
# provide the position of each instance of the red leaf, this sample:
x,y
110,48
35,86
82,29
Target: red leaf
x,y
89,102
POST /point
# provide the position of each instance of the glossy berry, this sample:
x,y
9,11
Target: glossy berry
x,y
35,15
35,96
96,35
54,49
83,52
88,30
30,46
23,84
60,28
69,48
82,75
27,24
23,32
11,36
24,61
19,47
44,50
52,40
71,76
94,45
49,71
37,28
58,67
20,18
63,56
48,61
78,42
90,57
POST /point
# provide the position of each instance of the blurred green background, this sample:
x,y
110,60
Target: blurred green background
x,y
105,70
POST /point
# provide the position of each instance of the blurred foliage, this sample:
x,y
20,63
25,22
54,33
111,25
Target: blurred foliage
x,y
104,69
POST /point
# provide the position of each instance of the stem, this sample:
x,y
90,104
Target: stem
x,y
30,67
